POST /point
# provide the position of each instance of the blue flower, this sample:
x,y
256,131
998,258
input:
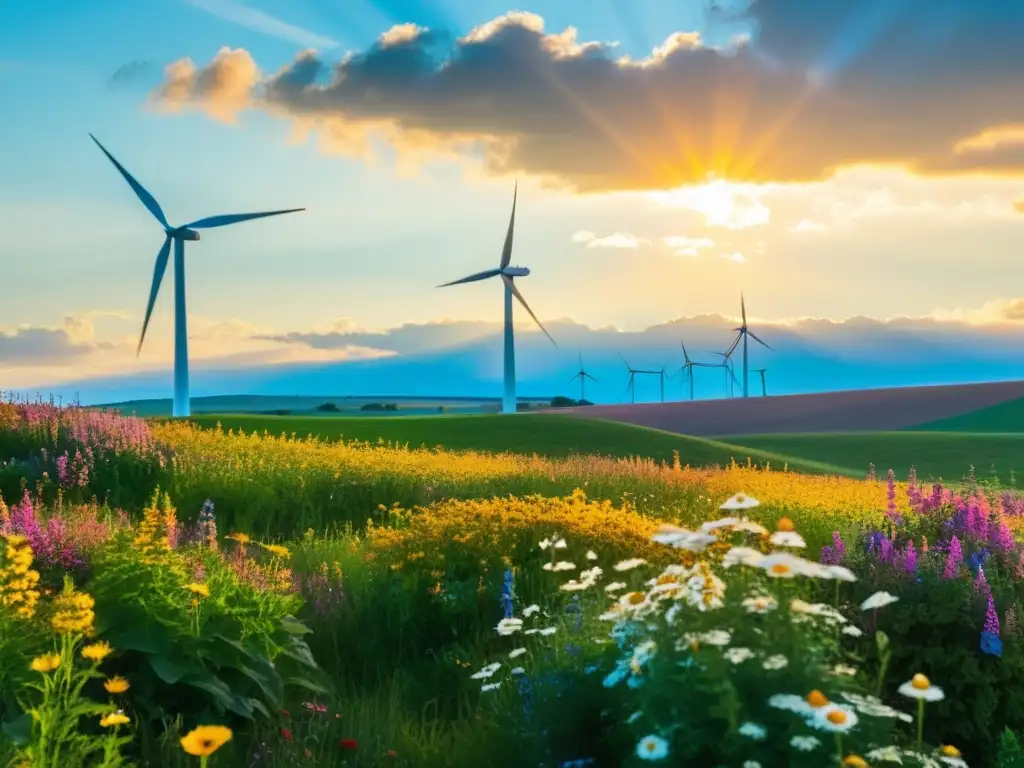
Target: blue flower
x,y
991,644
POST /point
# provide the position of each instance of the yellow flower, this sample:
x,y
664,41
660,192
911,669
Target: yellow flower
x,y
198,589
114,719
73,612
277,549
948,750
97,651
46,663
241,538
116,684
204,740
855,761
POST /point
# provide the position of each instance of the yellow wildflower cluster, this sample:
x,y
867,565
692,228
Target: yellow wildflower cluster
x,y
72,612
159,518
18,582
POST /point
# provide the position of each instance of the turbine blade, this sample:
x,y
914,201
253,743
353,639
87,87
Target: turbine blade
x,y
755,338
574,378
506,251
686,356
158,275
743,309
732,347
147,199
515,292
624,360
580,353
234,218
473,278
587,375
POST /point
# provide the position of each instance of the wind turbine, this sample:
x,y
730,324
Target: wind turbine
x,y
177,235
631,386
730,375
507,274
764,387
688,366
582,376
742,333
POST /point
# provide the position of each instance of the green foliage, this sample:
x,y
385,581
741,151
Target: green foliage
x,y
1010,754
230,655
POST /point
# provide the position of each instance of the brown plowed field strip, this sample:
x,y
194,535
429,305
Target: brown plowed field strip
x,y
865,410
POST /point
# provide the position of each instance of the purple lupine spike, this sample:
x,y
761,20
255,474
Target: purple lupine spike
x,y
981,583
991,618
890,495
910,558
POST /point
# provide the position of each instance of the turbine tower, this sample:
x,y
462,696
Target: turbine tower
x,y
177,235
582,376
688,366
507,274
764,387
742,333
730,374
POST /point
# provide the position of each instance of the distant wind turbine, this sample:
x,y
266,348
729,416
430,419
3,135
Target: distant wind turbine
x,y
687,369
742,333
507,274
764,387
730,374
631,386
177,235
582,375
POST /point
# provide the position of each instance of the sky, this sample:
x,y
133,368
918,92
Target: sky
x,y
854,167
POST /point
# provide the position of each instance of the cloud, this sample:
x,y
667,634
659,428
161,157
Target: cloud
x,y
735,256
687,246
35,345
802,95
259,21
810,225
722,203
616,240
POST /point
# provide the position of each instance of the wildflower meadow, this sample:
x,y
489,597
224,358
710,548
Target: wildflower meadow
x,y
172,596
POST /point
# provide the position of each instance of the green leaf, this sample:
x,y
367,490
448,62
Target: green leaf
x,y
299,651
882,641
222,695
19,730
293,626
144,638
306,683
169,670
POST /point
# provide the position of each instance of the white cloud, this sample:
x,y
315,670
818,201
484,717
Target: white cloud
x,y
810,225
687,246
723,204
615,240
735,256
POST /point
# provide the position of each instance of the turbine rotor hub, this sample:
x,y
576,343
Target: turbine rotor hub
x,y
516,271
183,234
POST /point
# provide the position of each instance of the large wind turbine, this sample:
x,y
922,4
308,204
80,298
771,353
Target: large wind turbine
x,y
177,235
742,333
730,374
507,274
687,368
582,375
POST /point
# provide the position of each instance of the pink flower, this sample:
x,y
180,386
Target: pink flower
x,y
991,617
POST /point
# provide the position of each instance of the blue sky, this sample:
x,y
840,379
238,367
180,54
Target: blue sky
x,y
859,172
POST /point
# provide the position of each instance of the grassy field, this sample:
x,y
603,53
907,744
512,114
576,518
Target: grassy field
x,y
547,435
1005,417
945,455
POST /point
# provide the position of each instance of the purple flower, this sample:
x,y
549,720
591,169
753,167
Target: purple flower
x,y
991,617
981,584
833,555
910,558
890,509
954,559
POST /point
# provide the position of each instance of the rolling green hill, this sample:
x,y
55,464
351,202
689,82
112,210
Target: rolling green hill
x,y
1007,417
946,455
544,434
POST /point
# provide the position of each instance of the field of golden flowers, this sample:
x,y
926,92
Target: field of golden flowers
x,y
176,596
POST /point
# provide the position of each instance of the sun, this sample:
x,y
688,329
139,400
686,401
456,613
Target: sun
x,y
722,203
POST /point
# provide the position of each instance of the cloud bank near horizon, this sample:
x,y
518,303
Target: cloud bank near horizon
x,y
807,92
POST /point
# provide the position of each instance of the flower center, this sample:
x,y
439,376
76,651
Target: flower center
x,y
920,682
635,598
780,568
816,699
784,524
950,751
651,746
836,717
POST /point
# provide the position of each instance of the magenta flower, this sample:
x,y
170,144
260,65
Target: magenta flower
x,y
991,618
910,558
954,559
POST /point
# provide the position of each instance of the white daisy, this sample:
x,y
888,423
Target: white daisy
x,y
790,702
781,565
920,687
561,565
753,731
509,626
804,743
873,707
681,538
840,573
750,527
886,755
852,631
788,539
529,610
738,655
517,671
843,669
760,604
835,718
778,661
652,748
878,600
740,501
516,652
714,525
591,554
490,686
742,556
626,565
486,672
615,586
591,573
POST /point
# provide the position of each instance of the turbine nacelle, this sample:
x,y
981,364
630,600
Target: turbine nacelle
x,y
183,233
515,271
